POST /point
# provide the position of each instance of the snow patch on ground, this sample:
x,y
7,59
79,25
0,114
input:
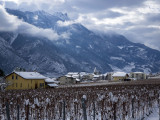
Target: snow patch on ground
x,y
13,38
141,49
78,46
145,69
91,46
128,68
117,58
114,68
36,17
120,47
154,115
130,46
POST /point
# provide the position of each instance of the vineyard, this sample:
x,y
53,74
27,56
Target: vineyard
x,y
131,101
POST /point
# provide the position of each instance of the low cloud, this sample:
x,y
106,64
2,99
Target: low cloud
x,y
139,24
10,23
65,23
146,34
136,19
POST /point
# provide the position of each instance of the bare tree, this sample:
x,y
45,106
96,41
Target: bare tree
x,y
4,83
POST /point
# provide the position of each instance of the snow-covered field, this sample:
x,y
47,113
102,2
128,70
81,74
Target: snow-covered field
x,y
154,115
100,102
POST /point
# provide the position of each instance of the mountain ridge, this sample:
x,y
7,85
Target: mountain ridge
x,y
82,51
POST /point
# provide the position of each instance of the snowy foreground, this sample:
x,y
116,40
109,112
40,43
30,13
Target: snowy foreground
x,y
154,115
122,101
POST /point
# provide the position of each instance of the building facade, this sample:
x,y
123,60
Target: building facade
x,y
119,76
138,75
64,80
25,80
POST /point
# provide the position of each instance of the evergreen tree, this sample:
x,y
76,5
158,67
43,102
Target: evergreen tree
x,y
2,73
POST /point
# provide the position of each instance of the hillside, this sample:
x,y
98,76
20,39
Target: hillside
x,y
82,51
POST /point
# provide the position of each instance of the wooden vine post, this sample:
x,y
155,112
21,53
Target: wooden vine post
x,y
84,107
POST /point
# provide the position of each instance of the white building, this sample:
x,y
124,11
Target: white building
x,y
51,82
138,75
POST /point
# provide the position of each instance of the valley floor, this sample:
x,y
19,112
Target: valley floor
x,y
106,82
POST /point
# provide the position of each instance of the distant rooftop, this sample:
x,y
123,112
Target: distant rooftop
x,y
119,74
53,85
137,72
73,73
30,75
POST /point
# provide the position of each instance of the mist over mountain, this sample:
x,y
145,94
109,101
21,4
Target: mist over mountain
x,y
81,50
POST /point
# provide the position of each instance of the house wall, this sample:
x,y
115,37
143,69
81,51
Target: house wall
x,y
62,80
20,83
138,75
87,77
90,76
109,76
66,80
118,78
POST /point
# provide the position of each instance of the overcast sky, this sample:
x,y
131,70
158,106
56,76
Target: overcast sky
x,y
138,20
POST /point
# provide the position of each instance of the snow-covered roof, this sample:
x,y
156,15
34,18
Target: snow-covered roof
x,y
78,80
105,74
72,73
30,75
68,76
56,82
49,80
83,73
52,85
96,76
75,76
138,72
72,76
54,79
119,74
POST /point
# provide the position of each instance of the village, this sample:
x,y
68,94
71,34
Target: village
x,y
81,95
20,79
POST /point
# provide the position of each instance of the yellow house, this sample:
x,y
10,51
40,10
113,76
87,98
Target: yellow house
x,y
119,76
25,80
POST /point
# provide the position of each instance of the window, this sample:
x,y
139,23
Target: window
x,y
16,77
21,84
13,85
12,77
143,76
136,75
41,84
16,85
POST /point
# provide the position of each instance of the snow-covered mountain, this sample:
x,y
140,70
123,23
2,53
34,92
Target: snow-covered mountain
x,y
82,51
